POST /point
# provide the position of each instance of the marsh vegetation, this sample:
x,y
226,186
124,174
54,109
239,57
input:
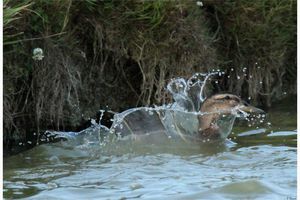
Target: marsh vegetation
x,y
121,54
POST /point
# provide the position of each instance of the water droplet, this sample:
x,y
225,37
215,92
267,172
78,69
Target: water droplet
x,y
93,122
258,116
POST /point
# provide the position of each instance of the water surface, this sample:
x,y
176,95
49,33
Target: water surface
x,y
262,165
257,162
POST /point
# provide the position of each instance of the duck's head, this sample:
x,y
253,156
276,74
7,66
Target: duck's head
x,y
226,103
216,106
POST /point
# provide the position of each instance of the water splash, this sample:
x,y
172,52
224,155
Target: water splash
x,y
189,94
177,120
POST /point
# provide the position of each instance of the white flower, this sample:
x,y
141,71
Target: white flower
x,y
199,3
38,54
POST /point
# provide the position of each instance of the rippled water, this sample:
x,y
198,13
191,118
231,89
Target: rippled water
x,y
257,167
262,172
258,162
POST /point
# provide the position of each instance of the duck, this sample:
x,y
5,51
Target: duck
x,y
212,112
217,106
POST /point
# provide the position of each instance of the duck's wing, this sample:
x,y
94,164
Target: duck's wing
x,y
143,121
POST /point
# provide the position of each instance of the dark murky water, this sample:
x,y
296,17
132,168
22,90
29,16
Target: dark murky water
x,y
262,165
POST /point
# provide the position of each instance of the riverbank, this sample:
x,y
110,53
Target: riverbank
x,y
120,54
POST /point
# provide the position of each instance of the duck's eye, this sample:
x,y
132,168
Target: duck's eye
x,y
227,97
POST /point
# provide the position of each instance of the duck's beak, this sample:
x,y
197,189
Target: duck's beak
x,y
250,109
